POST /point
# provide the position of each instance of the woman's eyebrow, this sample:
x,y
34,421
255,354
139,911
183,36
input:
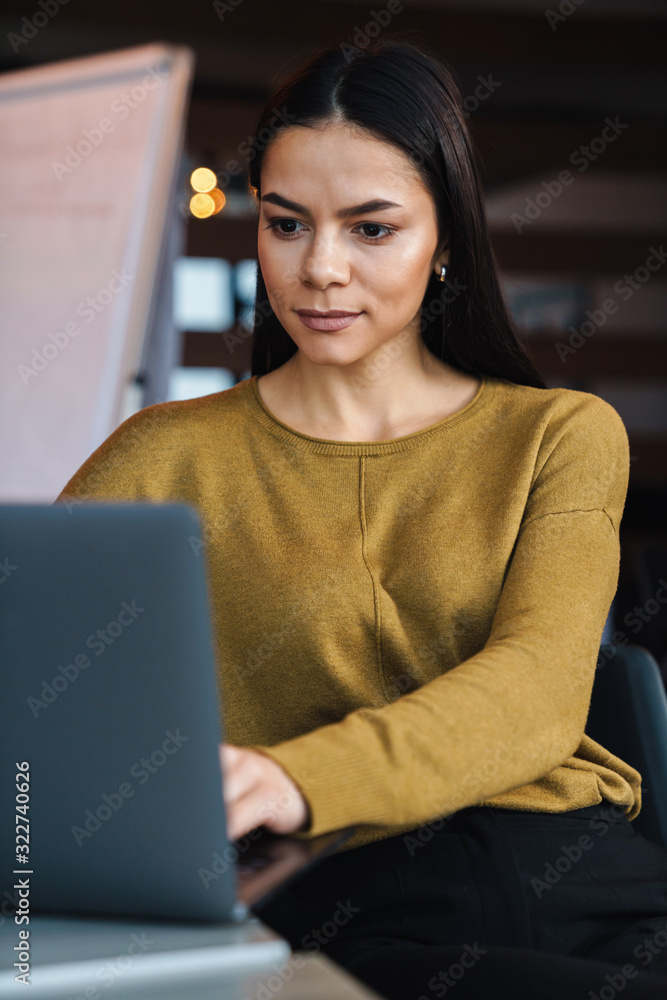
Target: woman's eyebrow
x,y
376,205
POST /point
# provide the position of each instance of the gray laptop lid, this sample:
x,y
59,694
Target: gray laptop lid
x,y
111,705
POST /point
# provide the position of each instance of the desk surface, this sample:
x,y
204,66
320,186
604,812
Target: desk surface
x,y
303,977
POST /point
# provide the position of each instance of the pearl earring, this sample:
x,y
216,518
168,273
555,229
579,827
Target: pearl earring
x,y
443,272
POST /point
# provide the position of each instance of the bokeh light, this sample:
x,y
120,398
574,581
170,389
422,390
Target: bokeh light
x,y
219,199
202,205
202,179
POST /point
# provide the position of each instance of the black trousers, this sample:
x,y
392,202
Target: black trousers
x,y
491,903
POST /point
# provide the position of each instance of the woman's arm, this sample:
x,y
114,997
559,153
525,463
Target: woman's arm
x,y
523,699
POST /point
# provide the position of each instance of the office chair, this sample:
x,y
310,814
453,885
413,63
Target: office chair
x,y
644,583
628,717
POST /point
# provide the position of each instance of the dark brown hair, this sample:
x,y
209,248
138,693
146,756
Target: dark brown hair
x,y
401,92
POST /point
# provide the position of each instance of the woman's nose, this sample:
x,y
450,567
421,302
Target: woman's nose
x,y
325,262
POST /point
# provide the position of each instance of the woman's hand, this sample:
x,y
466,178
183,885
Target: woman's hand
x,y
258,792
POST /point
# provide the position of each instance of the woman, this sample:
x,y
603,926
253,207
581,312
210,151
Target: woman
x,y
413,548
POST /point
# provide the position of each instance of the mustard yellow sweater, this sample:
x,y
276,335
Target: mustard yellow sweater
x,y
409,627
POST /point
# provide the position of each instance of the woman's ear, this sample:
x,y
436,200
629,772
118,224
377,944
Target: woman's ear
x,y
441,256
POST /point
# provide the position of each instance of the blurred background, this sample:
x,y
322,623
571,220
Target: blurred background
x,y
567,106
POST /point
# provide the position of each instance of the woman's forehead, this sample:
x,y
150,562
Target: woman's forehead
x,y
346,140
338,157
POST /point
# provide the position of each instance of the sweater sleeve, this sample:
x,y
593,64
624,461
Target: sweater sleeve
x,y
436,750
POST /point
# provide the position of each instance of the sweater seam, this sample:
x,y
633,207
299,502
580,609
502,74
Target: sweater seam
x,y
364,554
574,510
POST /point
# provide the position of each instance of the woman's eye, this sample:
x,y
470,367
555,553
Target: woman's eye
x,y
283,222
376,225
385,233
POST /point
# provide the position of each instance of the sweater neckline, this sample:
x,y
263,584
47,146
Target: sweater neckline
x,y
326,446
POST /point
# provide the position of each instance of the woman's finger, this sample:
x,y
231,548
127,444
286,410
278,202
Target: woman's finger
x,y
242,816
239,772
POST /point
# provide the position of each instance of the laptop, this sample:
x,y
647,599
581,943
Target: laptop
x,y
110,771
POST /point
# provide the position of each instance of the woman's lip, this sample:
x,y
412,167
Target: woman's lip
x,y
328,312
327,322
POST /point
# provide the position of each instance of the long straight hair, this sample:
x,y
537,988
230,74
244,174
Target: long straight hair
x,y
401,92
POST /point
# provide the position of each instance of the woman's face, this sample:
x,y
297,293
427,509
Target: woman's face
x,y
376,262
